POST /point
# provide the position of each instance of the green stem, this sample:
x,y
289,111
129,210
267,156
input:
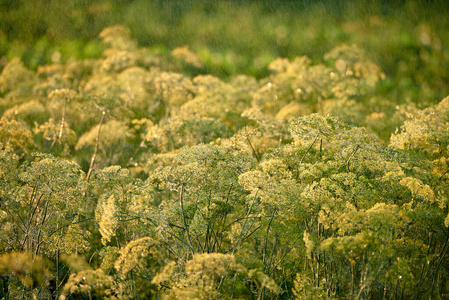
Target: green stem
x,y
266,241
307,151
445,172
181,195
244,223
352,154
252,148
97,142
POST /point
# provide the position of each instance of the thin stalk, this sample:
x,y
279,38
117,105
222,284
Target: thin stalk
x,y
172,143
238,240
352,154
251,233
177,237
244,223
310,147
266,241
442,175
40,231
210,227
262,291
33,197
223,220
117,241
279,261
321,148
173,251
61,128
239,219
181,195
28,226
252,148
352,281
164,230
233,286
269,269
62,120
97,142
441,257
57,275
307,151
67,225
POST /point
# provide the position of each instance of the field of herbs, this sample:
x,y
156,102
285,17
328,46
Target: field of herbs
x,y
306,158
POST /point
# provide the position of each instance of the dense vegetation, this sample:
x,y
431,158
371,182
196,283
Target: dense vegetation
x,y
141,173
408,39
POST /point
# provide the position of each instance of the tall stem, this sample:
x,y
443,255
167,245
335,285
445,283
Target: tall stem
x,y
252,148
445,172
61,130
97,142
307,151
352,154
238,240
266,241
244,223
181,195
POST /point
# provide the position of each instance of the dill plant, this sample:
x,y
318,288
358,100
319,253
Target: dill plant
x,y
126,177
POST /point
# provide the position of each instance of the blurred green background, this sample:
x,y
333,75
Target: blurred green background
x,y
407,39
